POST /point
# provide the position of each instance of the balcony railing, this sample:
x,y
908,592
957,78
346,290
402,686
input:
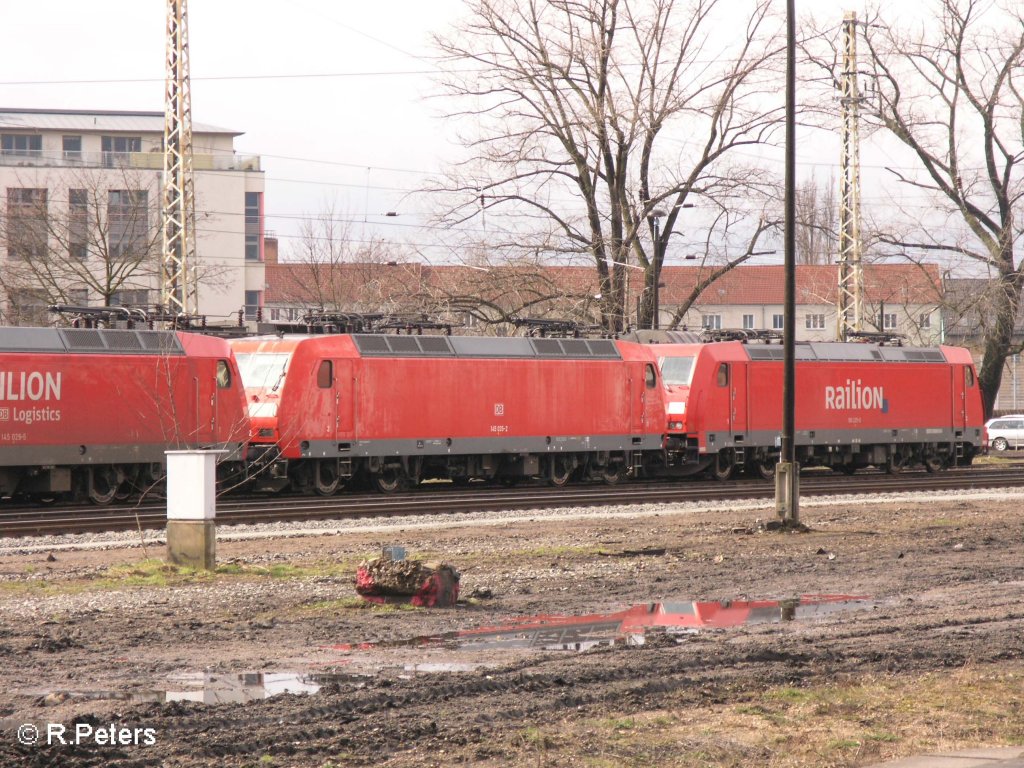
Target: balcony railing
x,y
153,161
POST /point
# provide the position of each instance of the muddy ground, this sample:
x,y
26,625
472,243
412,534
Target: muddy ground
x,y
933,660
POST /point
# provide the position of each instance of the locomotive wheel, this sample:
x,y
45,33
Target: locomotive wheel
x,y
896,463
561,471
934,463
326,480
722,466
104,483
124,490
613,474
389,479
1000,444
765,468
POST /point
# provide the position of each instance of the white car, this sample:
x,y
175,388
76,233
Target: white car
x,y
1005,432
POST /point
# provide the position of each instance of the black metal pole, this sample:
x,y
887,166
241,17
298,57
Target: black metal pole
x,y
656,301
790,513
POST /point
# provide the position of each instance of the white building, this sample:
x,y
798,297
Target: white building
x,y
81,197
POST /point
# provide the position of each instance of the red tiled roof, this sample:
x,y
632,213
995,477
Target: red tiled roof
x,y
815,284
302,283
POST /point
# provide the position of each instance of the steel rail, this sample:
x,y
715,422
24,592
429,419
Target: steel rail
x,y
441,498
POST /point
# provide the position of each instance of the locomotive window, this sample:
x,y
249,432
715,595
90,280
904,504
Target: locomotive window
x,y
223,375
325,374
723,375
969,376
676,371
262,370
650,377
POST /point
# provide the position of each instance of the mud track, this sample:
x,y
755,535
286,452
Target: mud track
x,y
946,580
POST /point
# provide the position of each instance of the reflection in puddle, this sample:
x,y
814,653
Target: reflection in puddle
x,y
631,626
636,625
205,688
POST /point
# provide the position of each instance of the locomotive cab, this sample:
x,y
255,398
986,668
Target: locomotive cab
x,y
263,369
676,368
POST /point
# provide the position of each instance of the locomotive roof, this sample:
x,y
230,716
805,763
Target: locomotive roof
x,y
90,340
851,352
379,345
483,346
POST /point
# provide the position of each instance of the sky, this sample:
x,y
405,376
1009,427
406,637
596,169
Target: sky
x,y
334,96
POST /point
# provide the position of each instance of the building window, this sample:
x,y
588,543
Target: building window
x,y
78,223
117,149
253,220
128,224
253,301
27,307
748,321
711,322
777,322
888,321
814,321
78,297
134,297
73,148
26,223
926,320
22,144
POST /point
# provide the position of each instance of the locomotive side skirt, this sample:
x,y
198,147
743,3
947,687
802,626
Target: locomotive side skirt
x,y
452,447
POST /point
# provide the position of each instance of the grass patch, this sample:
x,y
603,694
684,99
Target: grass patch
x,y
835,725
156,573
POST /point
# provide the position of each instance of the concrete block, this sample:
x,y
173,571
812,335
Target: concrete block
x,y
192,543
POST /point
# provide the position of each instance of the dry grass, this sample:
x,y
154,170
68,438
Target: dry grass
x,y
832,726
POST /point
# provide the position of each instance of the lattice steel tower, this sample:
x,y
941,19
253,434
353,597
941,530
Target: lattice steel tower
x,y
851,278
179,287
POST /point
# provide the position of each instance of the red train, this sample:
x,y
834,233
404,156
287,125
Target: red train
x,y
857,405
89,413
396,410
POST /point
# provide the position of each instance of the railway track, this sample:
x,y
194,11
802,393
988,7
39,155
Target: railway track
x,y
442,498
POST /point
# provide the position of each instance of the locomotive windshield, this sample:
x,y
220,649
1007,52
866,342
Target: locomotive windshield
x,y
675,371
263,370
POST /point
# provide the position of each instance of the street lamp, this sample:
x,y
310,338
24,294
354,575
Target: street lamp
x,y
656,214
659,258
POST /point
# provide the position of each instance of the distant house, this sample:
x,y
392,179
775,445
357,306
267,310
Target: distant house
x,y
897,298
902,299
966,319
81,197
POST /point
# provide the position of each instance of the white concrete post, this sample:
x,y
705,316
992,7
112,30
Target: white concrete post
x,y
192,508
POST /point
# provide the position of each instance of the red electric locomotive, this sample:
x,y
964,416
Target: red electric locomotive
x,y
395,410
857,405
90,412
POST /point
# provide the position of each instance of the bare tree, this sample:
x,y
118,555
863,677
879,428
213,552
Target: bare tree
x,y
592,124
334,269
816,222
952,92
85,239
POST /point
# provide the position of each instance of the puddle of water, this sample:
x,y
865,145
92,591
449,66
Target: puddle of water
x,y
232,688
205,688
629,626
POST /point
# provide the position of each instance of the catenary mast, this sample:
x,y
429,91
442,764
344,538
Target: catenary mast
x,y
851,277
179,286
